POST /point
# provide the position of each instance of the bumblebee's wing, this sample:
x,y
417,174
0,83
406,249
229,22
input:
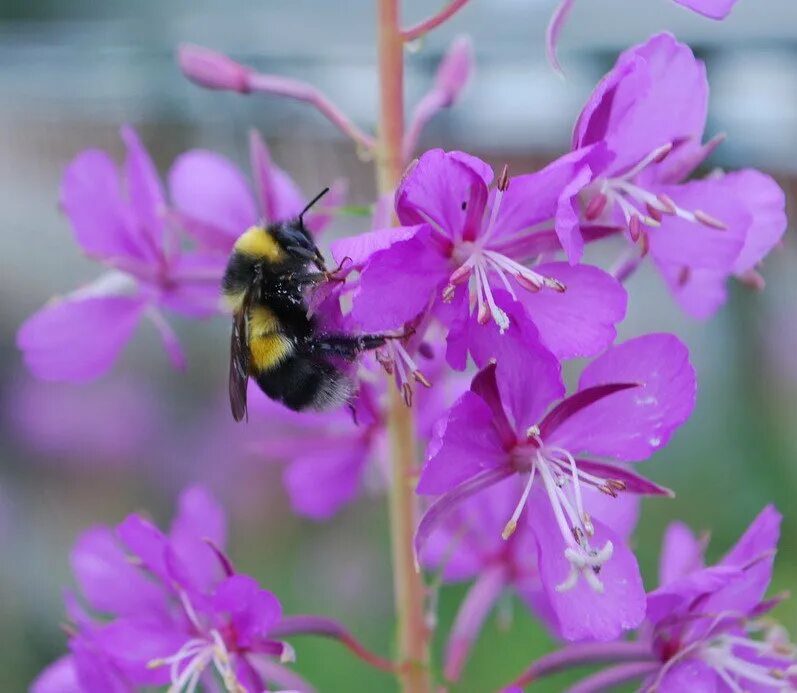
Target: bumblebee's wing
x,y
239,361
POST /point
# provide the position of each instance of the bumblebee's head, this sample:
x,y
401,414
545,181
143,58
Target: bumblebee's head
x,y
293,238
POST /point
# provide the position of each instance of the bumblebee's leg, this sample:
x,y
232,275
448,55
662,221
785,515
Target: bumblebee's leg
x,y
303,382
344,346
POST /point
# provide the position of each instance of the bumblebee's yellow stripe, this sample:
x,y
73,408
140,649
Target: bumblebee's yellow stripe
x,y
262,322
259,243
269,351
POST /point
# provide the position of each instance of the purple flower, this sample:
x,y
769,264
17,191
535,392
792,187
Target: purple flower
x,y
650,112
214,203
121,223
468,545
464,252
174,609
714,9
706,623
629,402
332,457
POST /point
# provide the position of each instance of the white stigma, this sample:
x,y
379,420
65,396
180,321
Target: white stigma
x,y
562,482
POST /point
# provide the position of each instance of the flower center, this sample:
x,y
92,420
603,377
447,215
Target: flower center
x,y
733,658
639,206
476,262
562,479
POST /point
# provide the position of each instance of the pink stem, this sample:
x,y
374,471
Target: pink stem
x,y
434,21
581,654
608,678
301,91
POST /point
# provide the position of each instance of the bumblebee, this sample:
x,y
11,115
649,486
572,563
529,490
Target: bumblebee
x,y
274,338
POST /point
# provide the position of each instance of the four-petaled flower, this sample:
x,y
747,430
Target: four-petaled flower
x,y
629,402
464,252
650,112
707,625
177,610
123,224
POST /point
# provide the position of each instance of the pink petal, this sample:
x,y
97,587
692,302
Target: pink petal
x,y
464,443
208,189
101,220
144,189
360,247
435,188
699,292
58,677
681,553
280,198
765,202
632,425
714,9
656,93
194,289
109,581
399,282
199,518
760,537
78,340
320,482
581,612
580,321
144,540
577,402
683,242
693,675
555,27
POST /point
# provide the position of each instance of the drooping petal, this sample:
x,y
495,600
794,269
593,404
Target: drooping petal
x,y
714,9
199,520
144,190
399,282
634,483
686,243
464,443
58,677
681,553
78,340
280,198
765,203
100,217
631,425
583,613
555,26
580,321
441,189
699,292
109,581
212,197
690,674
321,481
473,612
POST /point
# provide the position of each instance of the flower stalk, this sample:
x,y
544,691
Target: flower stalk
x,y
413,634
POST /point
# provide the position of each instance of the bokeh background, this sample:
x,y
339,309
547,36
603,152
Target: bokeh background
x,y
71,73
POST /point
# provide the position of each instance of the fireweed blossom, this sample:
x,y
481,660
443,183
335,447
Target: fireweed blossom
x,y
465,253
121,222
650,112
714,9
213,202
629,402
708,625
468,545
179,614
331,458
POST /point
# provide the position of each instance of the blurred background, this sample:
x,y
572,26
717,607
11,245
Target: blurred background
x,y
72,456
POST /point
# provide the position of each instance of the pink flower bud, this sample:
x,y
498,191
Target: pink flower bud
x,y
455,69
211,69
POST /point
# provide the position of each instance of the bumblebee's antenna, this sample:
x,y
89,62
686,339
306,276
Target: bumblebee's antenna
x,y
312,202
